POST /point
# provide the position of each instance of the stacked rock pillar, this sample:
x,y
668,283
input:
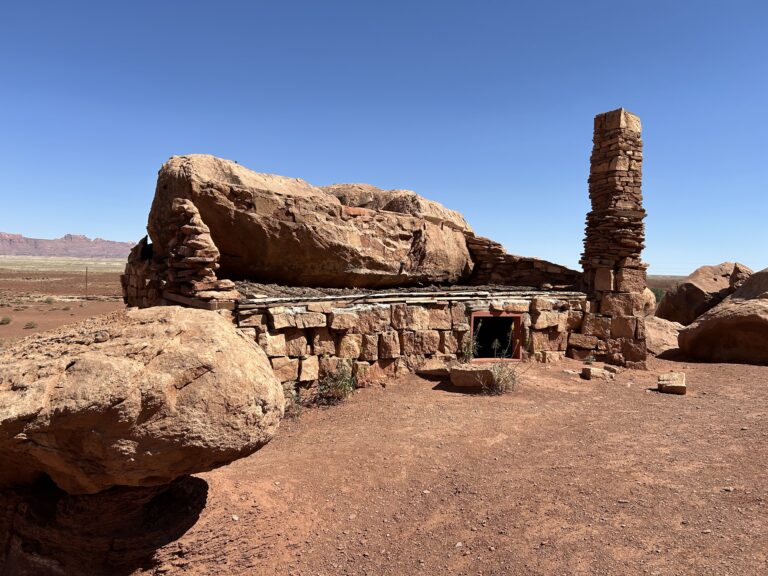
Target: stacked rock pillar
x,y
614,275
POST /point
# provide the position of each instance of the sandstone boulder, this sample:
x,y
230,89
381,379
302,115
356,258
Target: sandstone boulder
x,y
284,230
133,398
649,302
661,335
704,289
402,201
735,330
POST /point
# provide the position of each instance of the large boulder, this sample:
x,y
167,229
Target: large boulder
x,y
661,335
284,230
704,289
735,330
134,398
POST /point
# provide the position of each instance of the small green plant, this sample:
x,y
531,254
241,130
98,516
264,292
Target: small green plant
x,y
659,293
504,379
293,406
589,359
30,325
335,388
470,346
50,300
5,320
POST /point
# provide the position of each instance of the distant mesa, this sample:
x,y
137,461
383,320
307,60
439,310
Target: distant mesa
x,y
72,245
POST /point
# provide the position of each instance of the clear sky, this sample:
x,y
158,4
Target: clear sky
x,y
485,106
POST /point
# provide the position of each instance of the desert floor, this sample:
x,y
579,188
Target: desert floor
x,y
562,476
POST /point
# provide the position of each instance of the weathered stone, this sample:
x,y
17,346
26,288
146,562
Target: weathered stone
x,y
323,342
549,356
549,339
549,319
253,321
321,307
311,320
472,376
517,306
672,383
373,319
593,373
369,349
574,320
360,372
349,346
272,343
631,280
331,365
439,317
621,304
458,313
623,327
389,345
309,369
582,341
604,280
437,367
595,325
383,370
295,343
426,342
448,342
280,318
540,304
340,319
285,369
313,239
169,392
410,317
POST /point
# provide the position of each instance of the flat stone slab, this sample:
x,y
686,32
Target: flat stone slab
x,y
474,376
672,383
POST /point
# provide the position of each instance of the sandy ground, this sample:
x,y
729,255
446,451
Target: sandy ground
x,y
41,299
563,476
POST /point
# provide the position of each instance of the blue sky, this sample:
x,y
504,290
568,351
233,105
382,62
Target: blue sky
x,y
485,106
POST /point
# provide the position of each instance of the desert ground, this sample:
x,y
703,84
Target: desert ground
x,y
562,476
40,293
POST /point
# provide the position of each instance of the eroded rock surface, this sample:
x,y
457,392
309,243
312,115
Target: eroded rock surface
x,y
275,229
661,335
702,290
735,330
133,398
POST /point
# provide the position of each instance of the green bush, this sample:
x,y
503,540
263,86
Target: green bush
x,y
30,325
50,300
5,320
335,388
659,293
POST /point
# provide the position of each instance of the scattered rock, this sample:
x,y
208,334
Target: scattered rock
x,y
475,376
173,391
672,383
593,373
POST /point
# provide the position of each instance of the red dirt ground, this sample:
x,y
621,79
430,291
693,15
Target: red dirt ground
x,y
563,476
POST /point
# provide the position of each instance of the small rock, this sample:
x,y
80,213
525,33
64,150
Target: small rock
x,y
672,383
235,517
592,373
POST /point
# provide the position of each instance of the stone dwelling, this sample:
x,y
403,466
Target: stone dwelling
x,y
386,281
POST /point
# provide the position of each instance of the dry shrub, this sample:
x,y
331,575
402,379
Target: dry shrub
x,y
5,320
335,388
504,381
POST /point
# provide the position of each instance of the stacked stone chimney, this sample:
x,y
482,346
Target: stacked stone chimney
x,y
614,275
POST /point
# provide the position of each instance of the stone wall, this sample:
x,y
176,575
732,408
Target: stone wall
x,y
493,265
309,341
614,275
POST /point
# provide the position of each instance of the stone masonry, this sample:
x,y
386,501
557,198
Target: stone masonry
x,y
614,275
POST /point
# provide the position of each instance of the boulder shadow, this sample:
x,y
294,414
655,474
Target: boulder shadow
x,y
45,531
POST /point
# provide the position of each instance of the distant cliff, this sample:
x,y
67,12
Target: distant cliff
x,y
72,245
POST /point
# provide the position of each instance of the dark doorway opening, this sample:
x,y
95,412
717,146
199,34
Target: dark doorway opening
x,y
496,336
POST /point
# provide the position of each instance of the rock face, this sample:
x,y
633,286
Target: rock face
x,y
649,302
283,230
704,289
736,330
661,335
135,398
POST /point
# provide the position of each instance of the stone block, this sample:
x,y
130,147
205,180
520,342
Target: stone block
x,y
582,341
321,307
439,317
549,319
458,313
383,370
254,321
672,383
370,347
595,325
549,356
349,346
330,365
285,369
448,342
323,342
549,339
517,306
410,317
389,345
272,343
540,304
631,280
360,371
407,343
309,369
295,343
578,354
621,304
373,319
604,280
341,319
575,318
623,326
437,367
311,320
280,318
426,342
640,329
472,376
593,373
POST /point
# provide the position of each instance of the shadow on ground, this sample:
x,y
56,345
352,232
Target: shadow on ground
x,y
45,531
